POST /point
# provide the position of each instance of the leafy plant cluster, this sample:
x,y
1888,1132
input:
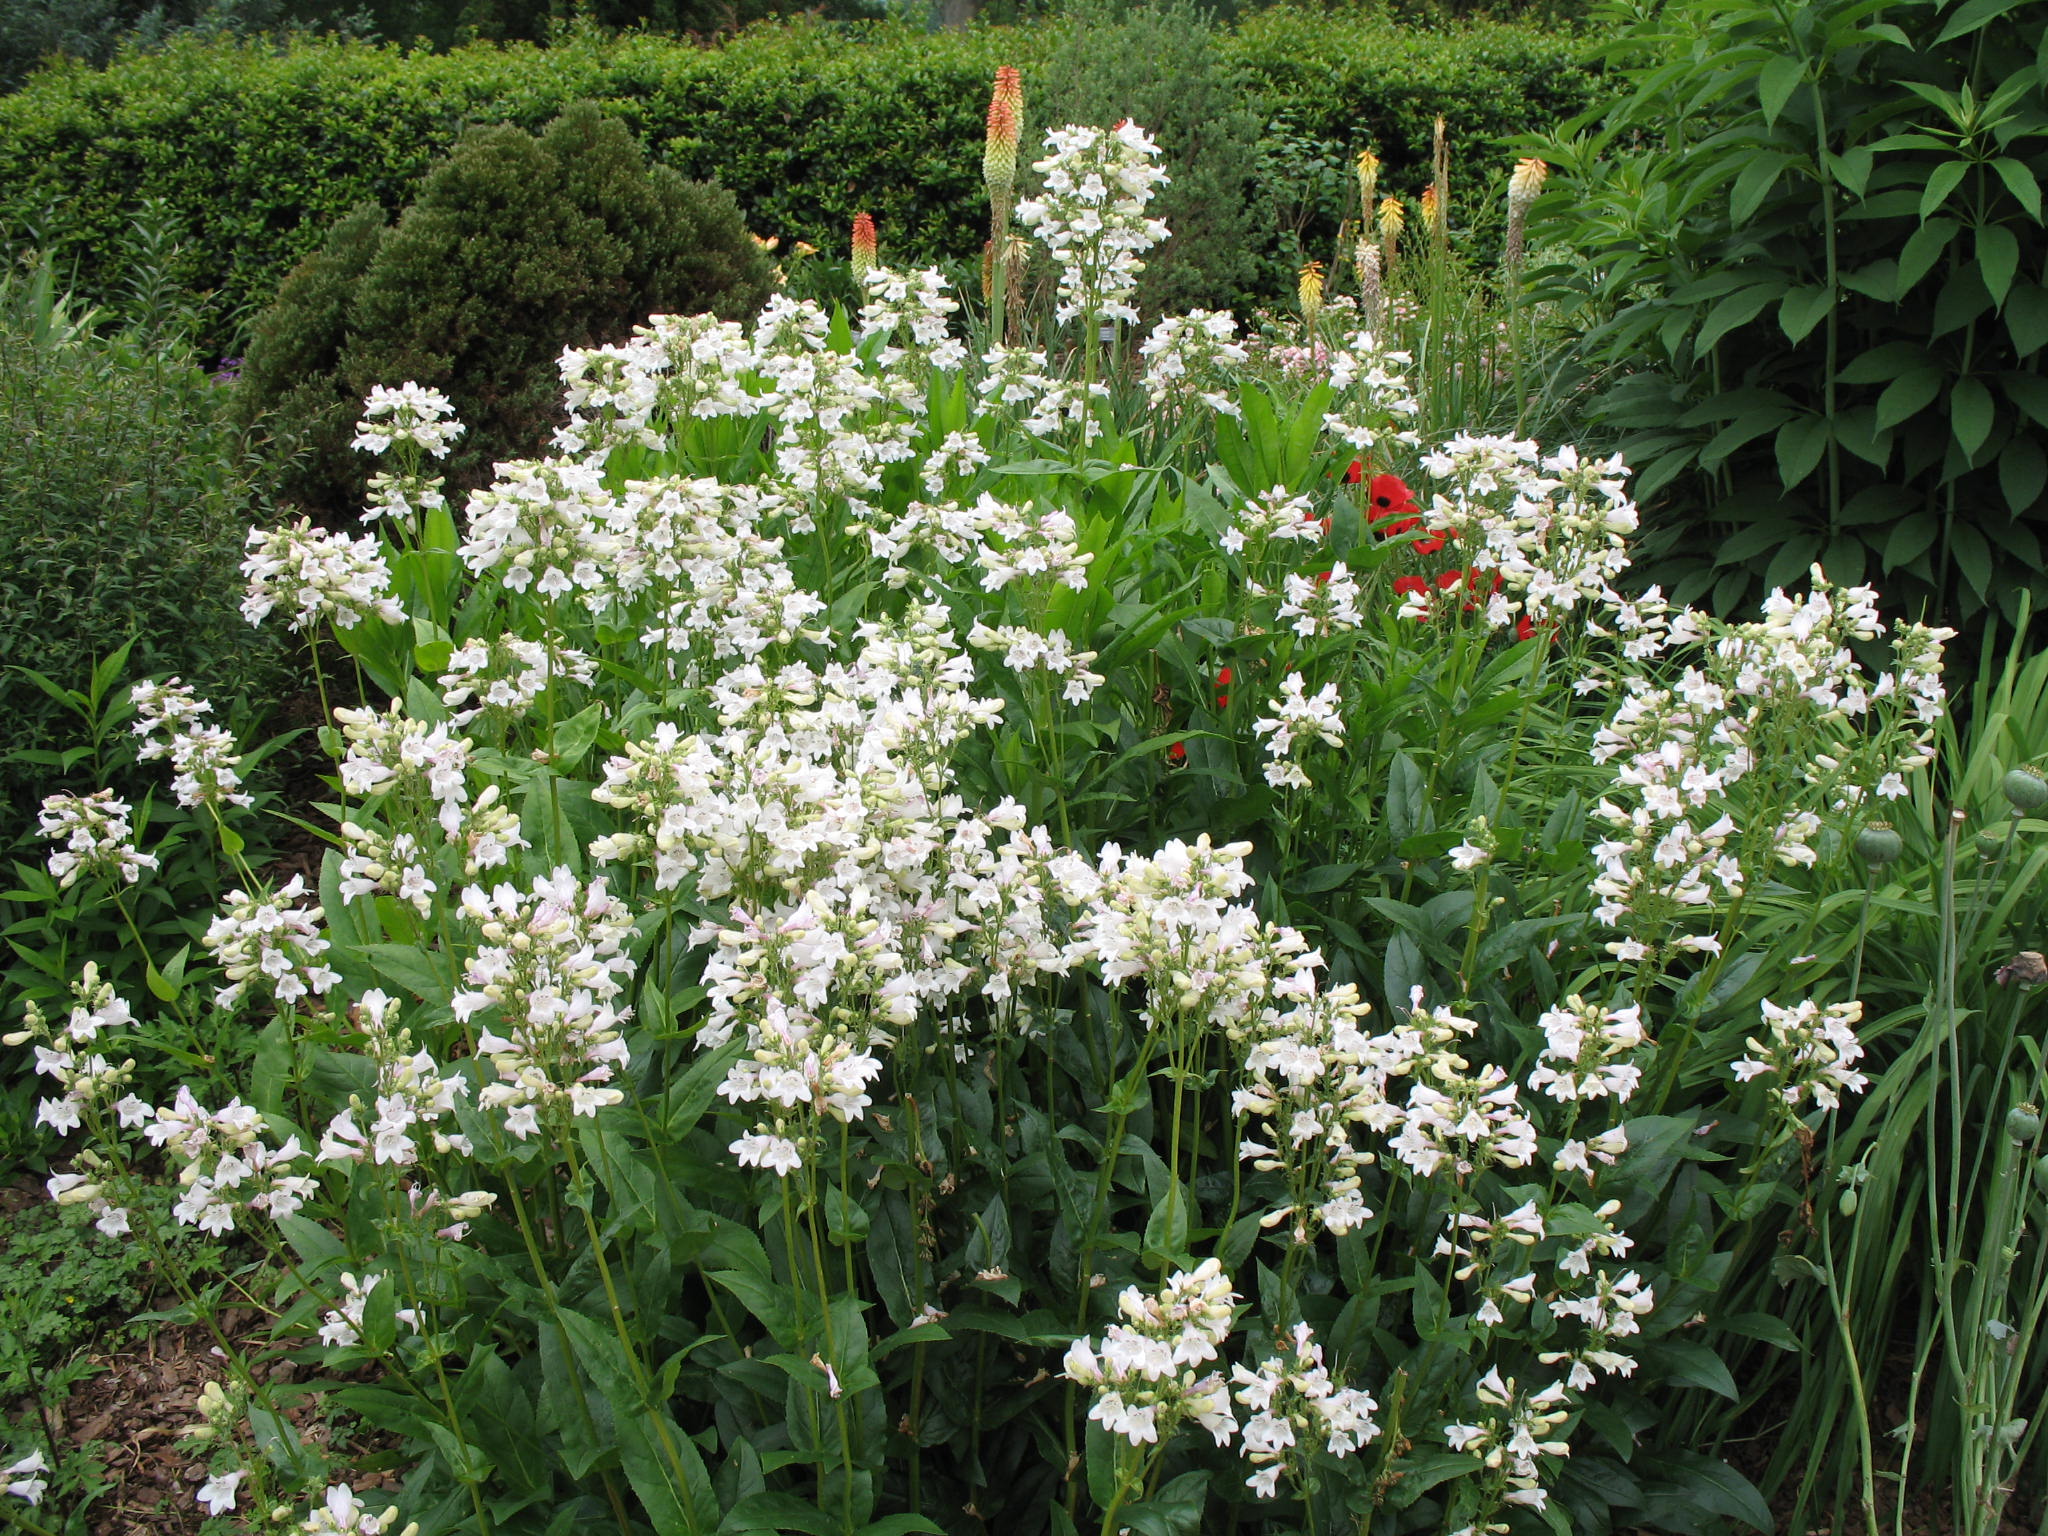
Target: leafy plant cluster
x,y
1806,245
260,150
65,1286
124,497
515,247
951,928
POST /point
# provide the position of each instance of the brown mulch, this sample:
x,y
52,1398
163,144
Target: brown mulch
x,y
131,1413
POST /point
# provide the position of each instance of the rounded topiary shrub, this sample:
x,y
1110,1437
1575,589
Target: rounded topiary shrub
x,y
515,248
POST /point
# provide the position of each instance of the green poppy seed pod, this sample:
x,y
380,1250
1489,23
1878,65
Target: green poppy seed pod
x,y
1879,843
1847,1204
2026,789
1991,842
2023,1124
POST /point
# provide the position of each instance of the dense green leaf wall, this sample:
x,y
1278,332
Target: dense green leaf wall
x,y
263,148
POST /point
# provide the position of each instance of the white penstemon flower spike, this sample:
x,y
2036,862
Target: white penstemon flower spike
x,y
1292,1400
203,757
1811,1052
410,414
1299,720
317,576
93,836
1091,216
1144,1371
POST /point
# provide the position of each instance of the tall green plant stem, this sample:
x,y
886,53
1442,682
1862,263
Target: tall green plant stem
x,y
579,1179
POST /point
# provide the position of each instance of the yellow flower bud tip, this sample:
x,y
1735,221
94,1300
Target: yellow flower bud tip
x,y
1393,217
1311,287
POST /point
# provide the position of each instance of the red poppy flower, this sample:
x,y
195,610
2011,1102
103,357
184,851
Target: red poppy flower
x,y
1449,579
1393,505
1524,630
1356,473
1176,753
1407,585
1223,681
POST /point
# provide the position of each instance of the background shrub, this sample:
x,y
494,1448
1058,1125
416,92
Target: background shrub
x,y
261,149
515,248
123,503
1160,66
1808,256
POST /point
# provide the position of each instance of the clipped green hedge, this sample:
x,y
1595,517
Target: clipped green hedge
x,y
262,148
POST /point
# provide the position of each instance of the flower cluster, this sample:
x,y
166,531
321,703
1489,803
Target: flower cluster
x,y
411,1092
1294,1403
228,1165
85,1081
550,965
1811,1052
1585,1049
1510,1441
318,577
1196,355
410,415
1143,1372
1299,720
1310,1074
1277,516
203,757
1091,216
272,941
94,837
1454,1117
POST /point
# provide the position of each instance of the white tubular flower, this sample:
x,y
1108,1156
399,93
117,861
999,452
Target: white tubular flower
x,y
1143,1374
217,1494
1091,216
271,942
410,414
1811,1050
203,757
25,1479
1291,1394
94,837
342,1514
317,576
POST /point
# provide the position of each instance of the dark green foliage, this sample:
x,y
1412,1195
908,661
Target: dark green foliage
x,y
64,1285
1160,66
1810,250
515,248
123,504
805,123
293,373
